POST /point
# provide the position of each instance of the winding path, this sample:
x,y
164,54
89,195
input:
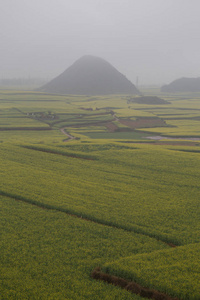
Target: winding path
x,y
70,137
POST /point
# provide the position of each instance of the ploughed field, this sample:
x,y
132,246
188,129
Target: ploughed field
x,y
107,199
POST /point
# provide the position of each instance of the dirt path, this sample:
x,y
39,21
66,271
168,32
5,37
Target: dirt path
x,y
70,137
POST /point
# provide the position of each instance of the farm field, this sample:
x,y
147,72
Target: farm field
x,y
86,183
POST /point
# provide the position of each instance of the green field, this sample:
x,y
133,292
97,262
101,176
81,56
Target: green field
x,y
82,186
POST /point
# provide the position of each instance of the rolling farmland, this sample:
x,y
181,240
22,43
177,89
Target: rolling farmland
x,y
86,183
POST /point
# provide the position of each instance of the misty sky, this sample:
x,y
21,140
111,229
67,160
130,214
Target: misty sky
x,y
156,40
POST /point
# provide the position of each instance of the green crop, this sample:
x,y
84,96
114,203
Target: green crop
x,y
129,183
106,196
174,272
46,254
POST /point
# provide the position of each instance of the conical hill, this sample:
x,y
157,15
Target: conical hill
x,y
90,75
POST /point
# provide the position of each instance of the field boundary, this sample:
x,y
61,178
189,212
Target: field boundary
x,y
130,286
24,128
84,217
67,154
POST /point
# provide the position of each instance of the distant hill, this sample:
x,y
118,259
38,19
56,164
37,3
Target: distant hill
x,y
148,100
90,75
183,85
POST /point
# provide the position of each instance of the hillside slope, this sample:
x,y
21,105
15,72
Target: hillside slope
x,y
90,75
183,85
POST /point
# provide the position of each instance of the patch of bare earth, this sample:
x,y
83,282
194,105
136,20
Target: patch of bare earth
x,y
111,127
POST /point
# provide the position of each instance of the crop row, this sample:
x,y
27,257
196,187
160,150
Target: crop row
x,y
135,189
50,255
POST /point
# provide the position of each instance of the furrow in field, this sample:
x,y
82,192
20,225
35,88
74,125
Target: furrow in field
x,y
130,286
81,216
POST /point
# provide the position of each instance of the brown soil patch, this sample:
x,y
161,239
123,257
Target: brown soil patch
x,y
130,286
111,127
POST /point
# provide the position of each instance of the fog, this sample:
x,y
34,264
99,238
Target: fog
x,y
154,40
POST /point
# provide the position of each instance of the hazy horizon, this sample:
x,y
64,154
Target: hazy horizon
x,y
154,40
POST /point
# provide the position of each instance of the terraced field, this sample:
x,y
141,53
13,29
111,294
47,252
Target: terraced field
x,y
111,199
